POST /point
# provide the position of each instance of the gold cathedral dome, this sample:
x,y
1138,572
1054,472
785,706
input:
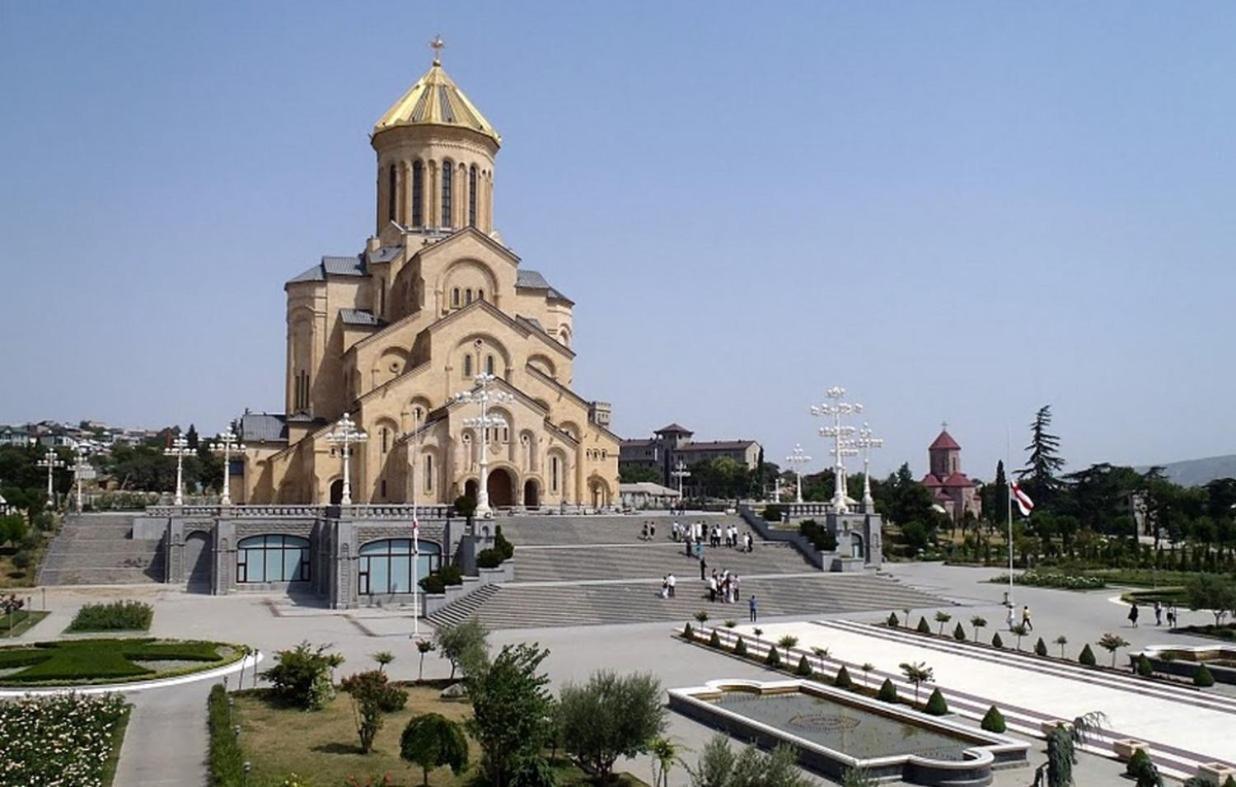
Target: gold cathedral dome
x,y
435,100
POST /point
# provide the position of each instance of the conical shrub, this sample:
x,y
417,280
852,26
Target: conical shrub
x,y
1203,677
1086,657
804,667
714,641
842,681
959,633
936,705
1040,648
740,648
1144,667
923,627
993,720
996,642
888,692
893,622
687,632
773,659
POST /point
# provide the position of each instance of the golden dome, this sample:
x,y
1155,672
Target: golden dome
x,y
435,100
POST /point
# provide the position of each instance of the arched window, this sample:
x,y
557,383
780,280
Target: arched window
x,y
428,472
455,297
472,196
480,294
554,469
386,436
392,192
489,364
467,366
272,559
385,567
448,172
418,184
468,295
506,434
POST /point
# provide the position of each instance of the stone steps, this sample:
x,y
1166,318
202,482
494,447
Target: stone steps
x,y
575,530
96,549
535,606
652,561
465,607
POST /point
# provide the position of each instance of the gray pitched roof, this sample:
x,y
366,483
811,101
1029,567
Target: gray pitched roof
x,y
312,274
385,253
334,266
263,428
358,317
531,279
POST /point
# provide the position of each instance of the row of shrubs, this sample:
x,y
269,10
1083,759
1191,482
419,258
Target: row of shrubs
x,y
501,551
113,616
936,705
1048,579
227,762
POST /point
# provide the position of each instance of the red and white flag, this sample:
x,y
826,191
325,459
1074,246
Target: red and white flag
x,y
416,535
1024,503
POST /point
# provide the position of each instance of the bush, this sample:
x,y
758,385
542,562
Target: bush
x,y
1040,648
512,711
818,535
533,772
1142,769
489,558
993,720
465,645
687,632
431,741
772,513
113,616
842,681
1202,677
893,622
923,627
371,695
773,659
227,762
804,668
959,633
302,676
1086,657
936,705
503,547
713,640
22,560
888,692
63,739
451,574
740,647
609,717
1144,667
433,584
996,642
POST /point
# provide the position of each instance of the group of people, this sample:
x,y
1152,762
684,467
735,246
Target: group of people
x,y
649,532
723,587
1159,610
695,534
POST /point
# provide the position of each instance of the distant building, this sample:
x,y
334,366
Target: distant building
x,y
950,488
669,444
647,495
18,436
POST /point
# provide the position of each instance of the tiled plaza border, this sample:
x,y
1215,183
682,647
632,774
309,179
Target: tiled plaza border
x,y
247,663
1170,760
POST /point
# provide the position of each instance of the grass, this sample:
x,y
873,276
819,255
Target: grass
x,y
323,745
113,759
113,616
89,661
19,622
1164,595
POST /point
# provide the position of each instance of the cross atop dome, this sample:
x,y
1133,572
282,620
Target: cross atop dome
x,y
437,45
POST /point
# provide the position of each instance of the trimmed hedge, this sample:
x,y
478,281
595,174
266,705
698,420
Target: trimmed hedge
x,y
1086,657
1202,677
888,692
227,761
504,547
773,659
923,626
804,668
842,681
113,616
936,704
98,659
740,648
993,720
489,558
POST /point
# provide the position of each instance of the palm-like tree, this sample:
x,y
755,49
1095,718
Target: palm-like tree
x,y
978,622
867,668
1112,643
423,646
1062,641
917,673
1020,630
943,618
787,642
664,753
383,657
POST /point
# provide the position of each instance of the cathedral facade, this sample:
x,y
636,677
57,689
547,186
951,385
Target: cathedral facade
x,y
391,335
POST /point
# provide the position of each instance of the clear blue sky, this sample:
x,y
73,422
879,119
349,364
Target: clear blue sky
x,y
959,211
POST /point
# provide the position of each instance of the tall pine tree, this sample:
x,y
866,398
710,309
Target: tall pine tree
x,y
1044,462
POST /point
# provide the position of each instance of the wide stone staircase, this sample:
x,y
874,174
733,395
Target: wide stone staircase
x,y
652,561
520,605
98,549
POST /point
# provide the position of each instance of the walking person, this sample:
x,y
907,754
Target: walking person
x,y
671,582
753,608
1134,612
652,531
1171,616
664,587
750,542
1158,613
712,588
703,566
1025,618
735,581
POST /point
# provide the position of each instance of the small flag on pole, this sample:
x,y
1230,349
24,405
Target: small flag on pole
x,y
416,535
1024,503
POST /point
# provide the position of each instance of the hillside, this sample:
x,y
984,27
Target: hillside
x,y
1197,472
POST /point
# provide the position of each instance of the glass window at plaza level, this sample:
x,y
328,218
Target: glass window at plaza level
x,y
385,567
272,558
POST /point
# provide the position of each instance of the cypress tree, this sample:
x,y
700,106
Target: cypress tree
x,y
842,681
714,641
993,720
936,705
740,648
773,659
1040,648
996,642
1087,656
888,692
804,667
893,622
959,633
923,627
687,633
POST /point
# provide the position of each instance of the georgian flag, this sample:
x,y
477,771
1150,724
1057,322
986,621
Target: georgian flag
x,y
1024,503
416,535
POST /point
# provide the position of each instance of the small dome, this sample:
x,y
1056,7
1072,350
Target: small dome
x,y
435,100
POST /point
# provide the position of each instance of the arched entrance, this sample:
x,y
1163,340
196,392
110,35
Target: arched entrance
x,y
532,494
599,493
198,561
856,546
336,492
501,488
470,489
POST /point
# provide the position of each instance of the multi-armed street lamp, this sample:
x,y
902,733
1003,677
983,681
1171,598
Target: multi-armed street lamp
x,y
415,439
865,442
680,472
797,458
179,449
345,435
52,463
483,394
79,468
225,443
834,407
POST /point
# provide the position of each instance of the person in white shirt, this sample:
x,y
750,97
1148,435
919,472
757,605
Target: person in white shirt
x,y
671,582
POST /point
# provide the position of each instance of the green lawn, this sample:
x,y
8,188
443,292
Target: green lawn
x,y
113,759
109,660
322,746
19,622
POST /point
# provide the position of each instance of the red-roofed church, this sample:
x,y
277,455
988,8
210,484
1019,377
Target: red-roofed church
x,y
950,488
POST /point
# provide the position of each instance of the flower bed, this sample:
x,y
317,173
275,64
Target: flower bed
x,y
114,616
89,661
1044,579
61,740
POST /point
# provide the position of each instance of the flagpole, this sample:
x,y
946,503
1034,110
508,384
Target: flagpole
x,y
1008,490
416,529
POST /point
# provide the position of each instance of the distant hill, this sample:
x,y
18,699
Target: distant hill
x,y
1198,472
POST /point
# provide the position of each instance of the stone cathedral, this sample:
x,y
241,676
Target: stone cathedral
x,y
389,335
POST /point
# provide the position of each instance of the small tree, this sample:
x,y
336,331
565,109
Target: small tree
x,y
917,673
1112,643
1214,593
302,676
959,633
993,720
1040,647
1202,677
1061,749
1086,657
977,622
1142,770
383,657
888,692
512,711
701,617
936,704
820,653
943,618
867,668
773,659
842,681
1019,631
465,645
923,627
610,717
423,646
371,694
1062,641
893,622
787,642
664,755
803,670
740,648
996,641
432,741
714,640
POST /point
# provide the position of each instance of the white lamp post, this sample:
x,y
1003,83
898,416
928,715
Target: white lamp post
x,y
80,466
225,443
866,441
797,459
51,462
483,394
415,439
680,472
834,407
180,449
344,436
